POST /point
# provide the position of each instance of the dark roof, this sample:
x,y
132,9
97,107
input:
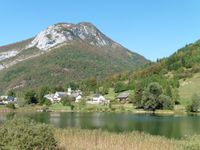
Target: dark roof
x,y
97,95
10,98
123,95
61,94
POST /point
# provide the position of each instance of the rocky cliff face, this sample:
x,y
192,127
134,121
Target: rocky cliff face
x,y
53,37
68,33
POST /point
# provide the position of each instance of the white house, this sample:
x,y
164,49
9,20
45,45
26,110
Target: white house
x,y
98,99
50,97
75,94
78,98
55,97
7,99
59,95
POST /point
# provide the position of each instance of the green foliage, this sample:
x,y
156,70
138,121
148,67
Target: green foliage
x,y
92,84
25,134
153,98
166,102
131,85
58,88
11,93
82,104
66,101
47,102
31,97
169,91
138,94
42,92
194,105
73,85
175,96
149,101
185,57
66,64
120,87
104,90
11,105
155,89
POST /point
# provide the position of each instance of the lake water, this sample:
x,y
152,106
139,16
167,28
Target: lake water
x,y
169,126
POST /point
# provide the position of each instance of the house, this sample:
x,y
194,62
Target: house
x,y
123,96
50,97
75,94
98,99
55,97
7,99
59,95
70,91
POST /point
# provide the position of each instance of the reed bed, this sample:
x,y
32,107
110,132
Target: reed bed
x,y
79,139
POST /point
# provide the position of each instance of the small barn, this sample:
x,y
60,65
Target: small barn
x,y
123,96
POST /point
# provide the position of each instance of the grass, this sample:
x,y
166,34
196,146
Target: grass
x,y
112,95
189,87
59,107
117,107
78,139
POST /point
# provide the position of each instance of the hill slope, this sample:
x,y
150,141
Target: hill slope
x,y
178,74
61,53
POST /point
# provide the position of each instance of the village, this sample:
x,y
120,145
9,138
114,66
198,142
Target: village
x,y
74,96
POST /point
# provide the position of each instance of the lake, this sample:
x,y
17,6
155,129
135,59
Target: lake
x,y
169,126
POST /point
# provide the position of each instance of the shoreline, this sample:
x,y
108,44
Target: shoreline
x,y
134,111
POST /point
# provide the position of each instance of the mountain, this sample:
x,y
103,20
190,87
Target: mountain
x,y
61,53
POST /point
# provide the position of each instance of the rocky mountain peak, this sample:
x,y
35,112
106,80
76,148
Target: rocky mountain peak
x,y
67,33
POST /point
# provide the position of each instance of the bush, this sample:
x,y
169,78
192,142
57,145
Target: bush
x,y
23,134
31,97
66,101
47,102
11,105
194,105
166,102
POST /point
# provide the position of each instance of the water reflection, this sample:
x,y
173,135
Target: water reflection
x,y
169,126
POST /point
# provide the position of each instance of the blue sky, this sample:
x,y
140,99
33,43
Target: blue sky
x,y
153,28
